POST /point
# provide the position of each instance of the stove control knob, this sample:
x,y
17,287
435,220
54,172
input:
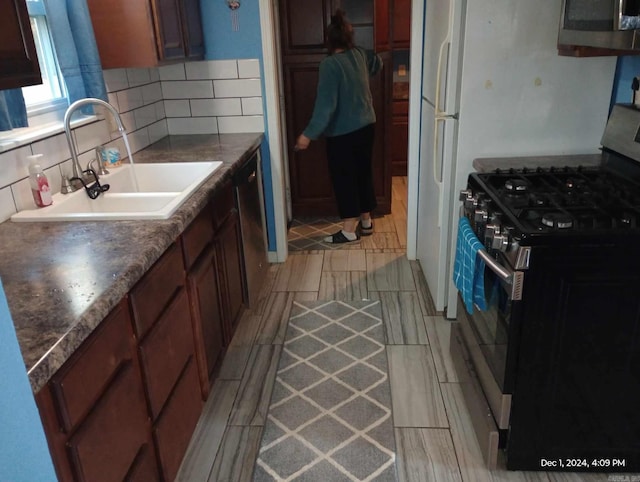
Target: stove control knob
x,y
465,194
481,216
500,242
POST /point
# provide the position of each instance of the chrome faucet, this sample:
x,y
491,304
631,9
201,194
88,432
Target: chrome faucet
x,y
77,169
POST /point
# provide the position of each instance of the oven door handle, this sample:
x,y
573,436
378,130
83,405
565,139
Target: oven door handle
x,y
513,278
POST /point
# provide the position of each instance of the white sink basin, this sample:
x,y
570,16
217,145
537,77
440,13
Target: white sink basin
x,y
162,188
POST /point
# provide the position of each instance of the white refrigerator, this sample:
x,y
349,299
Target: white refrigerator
x,y
493,85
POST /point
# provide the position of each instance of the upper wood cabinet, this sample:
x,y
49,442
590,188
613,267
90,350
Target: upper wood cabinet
x,y
146,33
401,24
18,60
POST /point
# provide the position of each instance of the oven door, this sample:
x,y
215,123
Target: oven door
x,y
491,335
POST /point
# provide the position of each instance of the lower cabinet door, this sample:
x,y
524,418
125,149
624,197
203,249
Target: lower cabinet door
x,y
145,468
204,296
173,430
229,255
106,444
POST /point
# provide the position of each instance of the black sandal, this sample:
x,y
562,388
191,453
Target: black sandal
x,y
366,231
339,238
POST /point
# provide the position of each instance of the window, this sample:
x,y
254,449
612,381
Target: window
x,y
50,97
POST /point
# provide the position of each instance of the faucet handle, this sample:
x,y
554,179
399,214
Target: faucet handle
x,y
67,187
101,170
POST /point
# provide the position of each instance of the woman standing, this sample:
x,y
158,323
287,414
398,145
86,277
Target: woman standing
x,y
344,114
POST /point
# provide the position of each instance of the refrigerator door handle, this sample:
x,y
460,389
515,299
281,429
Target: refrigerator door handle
x,y
438,161
444,46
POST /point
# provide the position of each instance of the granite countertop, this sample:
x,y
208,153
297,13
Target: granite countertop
x,y
488,164
61,279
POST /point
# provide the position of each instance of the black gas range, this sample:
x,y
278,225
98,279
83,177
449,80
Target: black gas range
x,y
555,358
538,204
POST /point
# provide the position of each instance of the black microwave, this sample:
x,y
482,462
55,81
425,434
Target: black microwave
x,y
608,24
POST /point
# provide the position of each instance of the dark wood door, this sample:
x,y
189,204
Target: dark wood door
x,y
302,47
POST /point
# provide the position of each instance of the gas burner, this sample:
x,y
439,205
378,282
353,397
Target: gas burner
x,y
629,219
517,186
537,200
575,184
557,220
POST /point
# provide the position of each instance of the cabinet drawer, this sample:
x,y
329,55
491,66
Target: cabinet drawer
x,y
81,381
106,444
165,351
152,293
222,205
196,238
178,421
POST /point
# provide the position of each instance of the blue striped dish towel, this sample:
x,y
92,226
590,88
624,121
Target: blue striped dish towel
x,y
468,268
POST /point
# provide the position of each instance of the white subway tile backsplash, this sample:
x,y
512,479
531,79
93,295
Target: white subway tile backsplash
x,y
7,206
236,125
172,72
138,77
252,106
215,107
151,93
177,108
22,196
237,88
193,125
157,131
205,97
160,112
154,74
212,69
89,136
14,165
129,122
112,98
145,116
248,68
137,141
54,149
130,99
115,79
190,89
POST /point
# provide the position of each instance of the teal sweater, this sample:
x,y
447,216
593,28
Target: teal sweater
x,y
343,100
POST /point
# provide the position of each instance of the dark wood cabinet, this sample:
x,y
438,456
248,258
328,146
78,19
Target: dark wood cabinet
x,y
302,46
18,60
126,403
229,258
161,31
399,137
94,410
167,355
401,26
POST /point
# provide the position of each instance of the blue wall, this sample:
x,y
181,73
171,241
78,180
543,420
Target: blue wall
x,y
223,43
24,454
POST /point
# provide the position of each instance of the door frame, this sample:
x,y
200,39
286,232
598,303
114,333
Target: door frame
x,y
277,149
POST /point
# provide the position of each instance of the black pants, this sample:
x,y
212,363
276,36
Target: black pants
x,y
350,158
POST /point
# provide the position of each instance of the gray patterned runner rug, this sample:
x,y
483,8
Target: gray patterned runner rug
x,y
330,413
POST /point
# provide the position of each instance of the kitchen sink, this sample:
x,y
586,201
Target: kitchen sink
x,y
141,191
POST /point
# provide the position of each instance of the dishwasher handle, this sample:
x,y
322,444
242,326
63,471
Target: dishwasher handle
x,y
247,172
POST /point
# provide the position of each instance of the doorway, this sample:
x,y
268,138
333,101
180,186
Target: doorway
x,y
281,131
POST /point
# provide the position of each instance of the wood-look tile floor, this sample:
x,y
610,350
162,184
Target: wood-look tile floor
x,y
434,437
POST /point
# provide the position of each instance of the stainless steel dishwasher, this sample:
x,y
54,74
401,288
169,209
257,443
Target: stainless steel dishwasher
x,y
247,182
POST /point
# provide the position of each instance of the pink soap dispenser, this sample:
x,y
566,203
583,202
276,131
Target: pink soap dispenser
x,y
39,182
